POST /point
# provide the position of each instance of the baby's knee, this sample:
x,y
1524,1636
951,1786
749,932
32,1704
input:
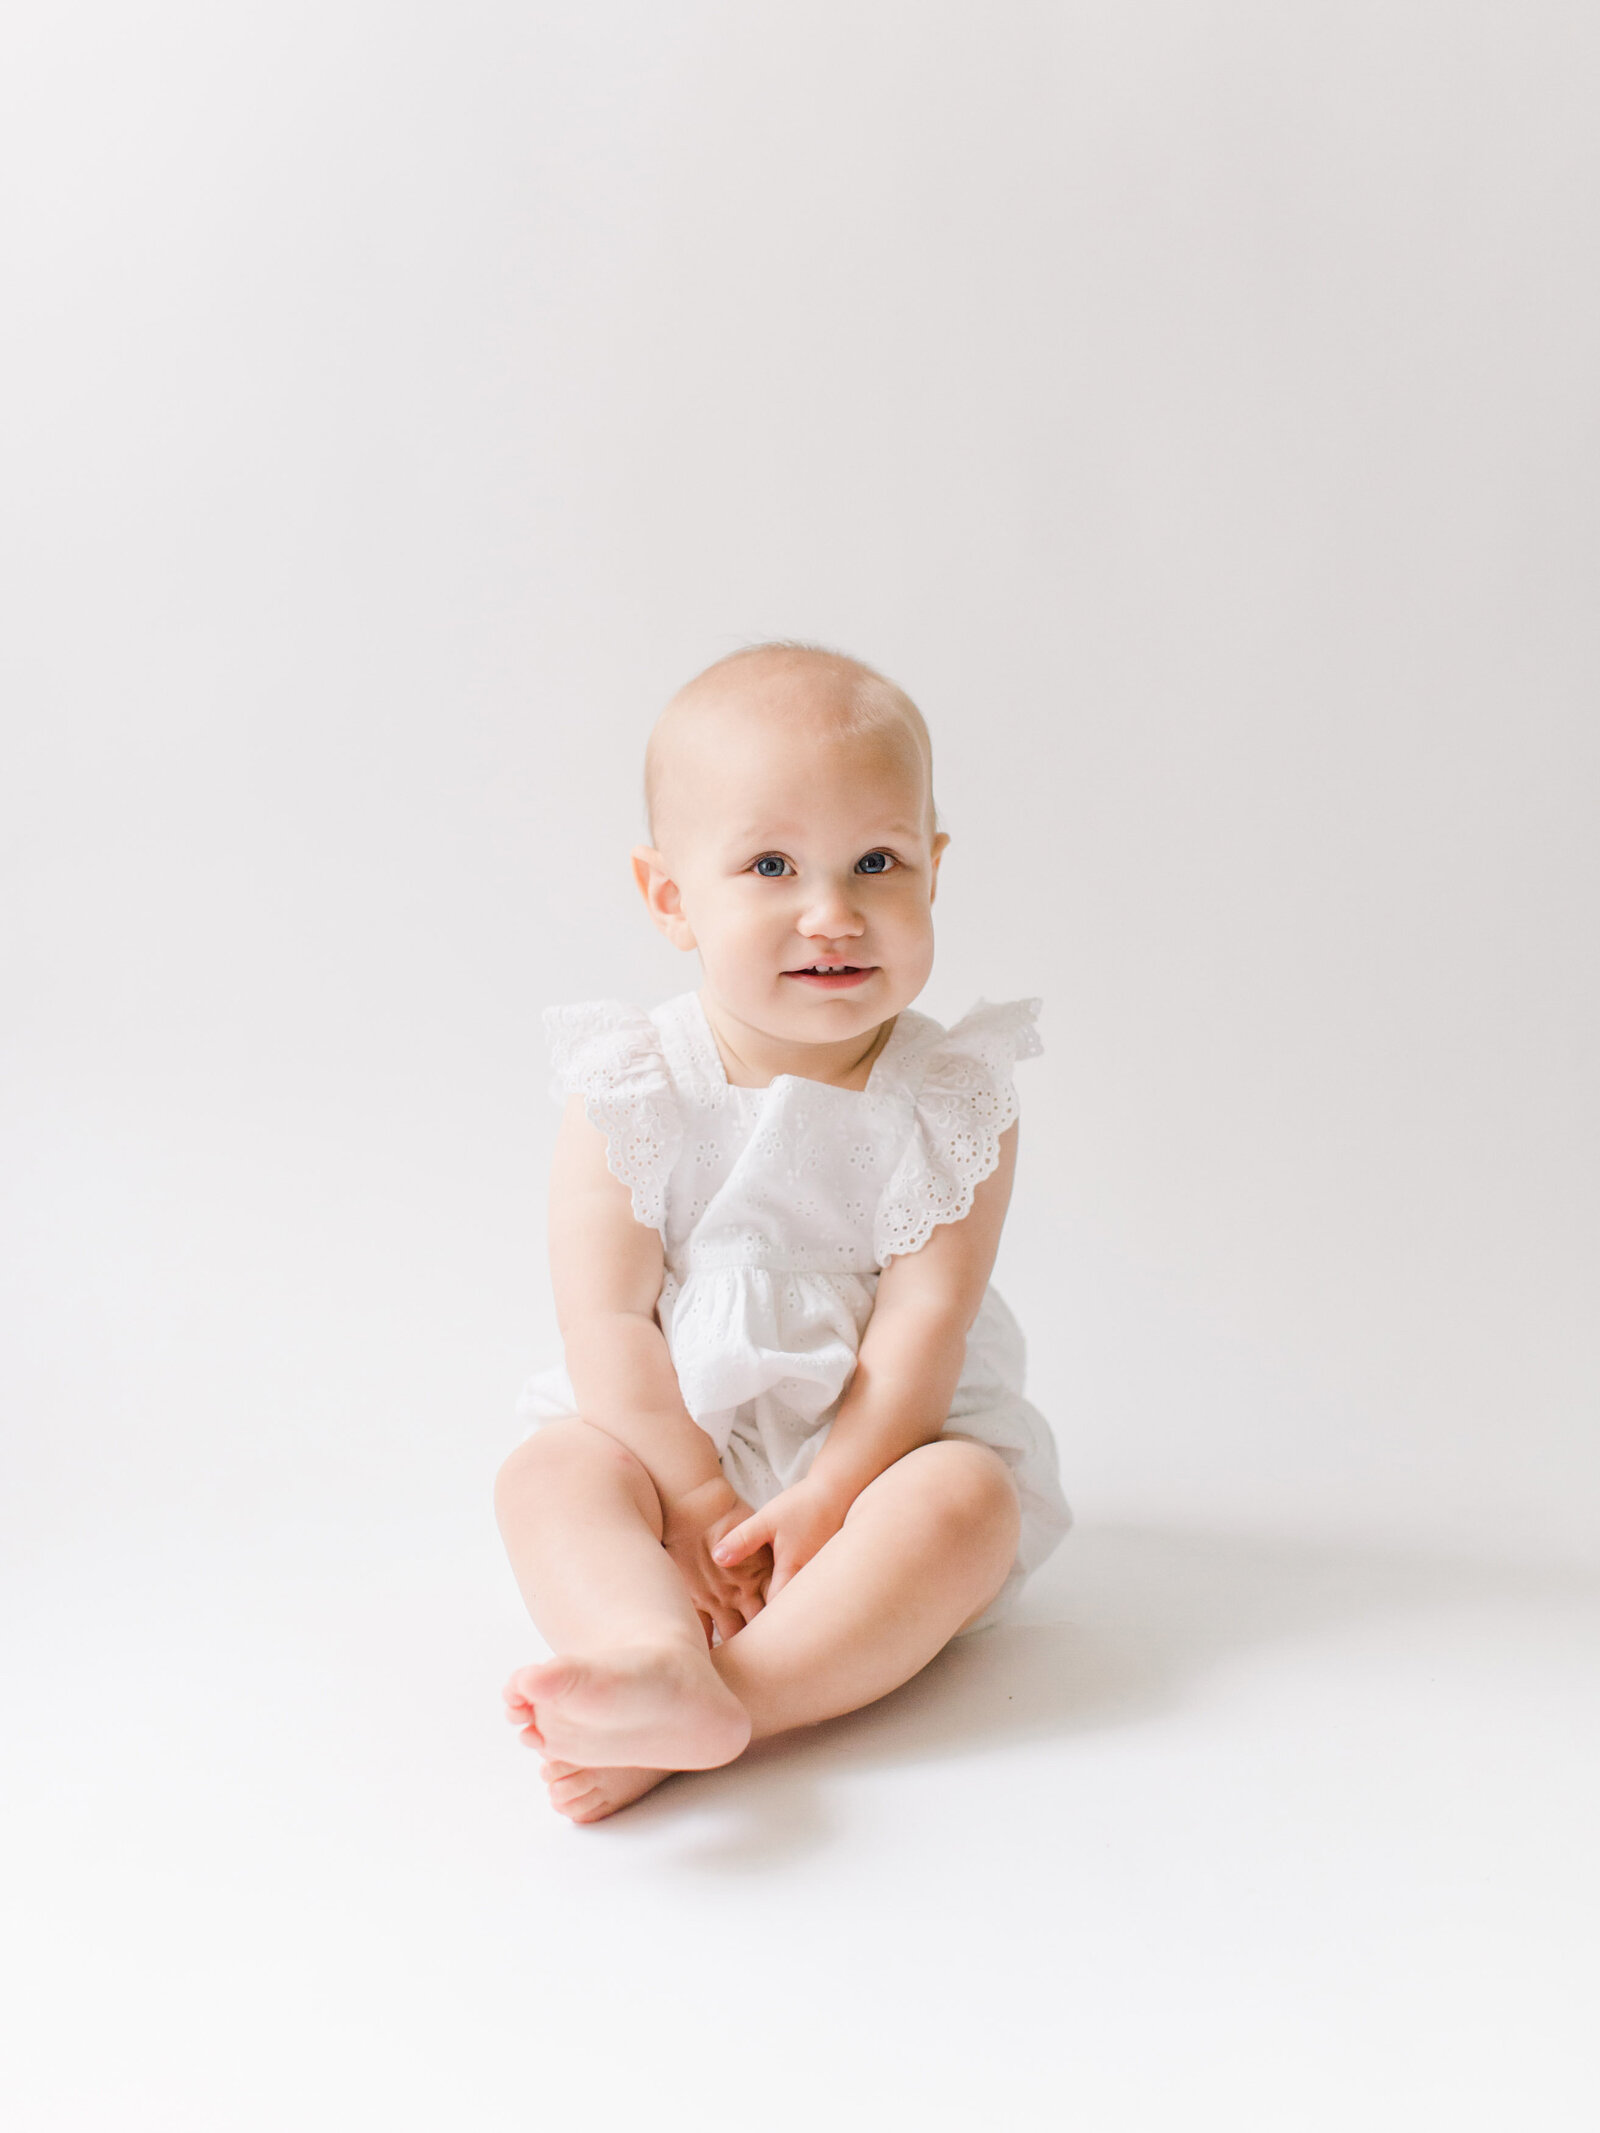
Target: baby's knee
x,y
560,1454
970,1493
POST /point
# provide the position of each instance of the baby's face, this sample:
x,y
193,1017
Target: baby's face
x,y
802,865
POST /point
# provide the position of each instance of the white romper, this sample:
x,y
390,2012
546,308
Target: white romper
x,y
779,1207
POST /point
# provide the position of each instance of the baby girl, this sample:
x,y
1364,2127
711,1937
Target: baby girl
x,y
788,1457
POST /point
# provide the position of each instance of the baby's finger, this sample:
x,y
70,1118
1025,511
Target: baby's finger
x,y
722,1597
743,1540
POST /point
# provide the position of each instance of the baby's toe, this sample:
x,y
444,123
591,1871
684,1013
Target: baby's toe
x,y
586,1805
575,1785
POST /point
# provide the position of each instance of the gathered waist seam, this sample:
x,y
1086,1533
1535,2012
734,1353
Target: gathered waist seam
x,y
730,1263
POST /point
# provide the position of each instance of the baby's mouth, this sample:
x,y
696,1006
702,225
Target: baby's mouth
x,y
829,977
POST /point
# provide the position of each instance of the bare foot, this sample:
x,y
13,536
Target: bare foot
x,y
591,1795
661,1707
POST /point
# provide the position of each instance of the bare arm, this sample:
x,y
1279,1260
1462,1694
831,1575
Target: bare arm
x,y
906,1373
606,1271
915,1344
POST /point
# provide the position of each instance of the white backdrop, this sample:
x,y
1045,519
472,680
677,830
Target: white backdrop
x,y
1193,406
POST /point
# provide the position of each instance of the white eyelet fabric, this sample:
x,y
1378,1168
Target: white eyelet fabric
x,y
779,1207
610,1054
965,1101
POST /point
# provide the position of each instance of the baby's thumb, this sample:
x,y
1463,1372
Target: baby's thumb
x,y
742,1541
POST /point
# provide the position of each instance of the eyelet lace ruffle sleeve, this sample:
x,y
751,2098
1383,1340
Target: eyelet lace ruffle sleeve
x,y
610,1054
965,1102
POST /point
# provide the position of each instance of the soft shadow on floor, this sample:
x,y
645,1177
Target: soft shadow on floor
x,y
1121,1626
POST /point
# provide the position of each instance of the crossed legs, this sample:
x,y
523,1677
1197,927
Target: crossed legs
x,y
633,1692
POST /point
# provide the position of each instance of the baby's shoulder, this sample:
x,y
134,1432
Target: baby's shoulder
x,y
964,1098
989,1038
614,1055
607,1046
592,1042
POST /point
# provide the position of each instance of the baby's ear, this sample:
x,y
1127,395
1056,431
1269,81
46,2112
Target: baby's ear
x,y
660,893
938,846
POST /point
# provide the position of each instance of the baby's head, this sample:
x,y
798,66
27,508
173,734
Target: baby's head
x,y
789,793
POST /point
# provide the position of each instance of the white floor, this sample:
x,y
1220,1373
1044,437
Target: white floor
x,y
1218,1832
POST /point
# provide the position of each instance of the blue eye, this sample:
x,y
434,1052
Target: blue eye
x,y
770,866
876,863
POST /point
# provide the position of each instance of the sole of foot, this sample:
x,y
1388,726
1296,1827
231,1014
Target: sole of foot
x,y
657,1708
590,1795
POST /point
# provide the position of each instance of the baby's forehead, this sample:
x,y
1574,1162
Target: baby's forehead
x,y
744,768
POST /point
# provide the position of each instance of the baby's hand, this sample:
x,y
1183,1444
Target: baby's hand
x,y
794,1525
726,1597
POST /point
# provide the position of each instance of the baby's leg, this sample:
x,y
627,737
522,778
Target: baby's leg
x,y
922,1552
633,1683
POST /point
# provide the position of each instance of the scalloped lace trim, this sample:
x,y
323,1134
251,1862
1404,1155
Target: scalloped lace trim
x,y
967,1101
610,1054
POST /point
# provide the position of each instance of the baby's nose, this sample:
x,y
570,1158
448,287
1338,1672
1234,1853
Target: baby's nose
x,y
831,915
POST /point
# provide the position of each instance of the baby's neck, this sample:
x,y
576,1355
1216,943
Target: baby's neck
x,y
751,1059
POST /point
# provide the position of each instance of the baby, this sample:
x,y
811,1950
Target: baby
x,y
788,1457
